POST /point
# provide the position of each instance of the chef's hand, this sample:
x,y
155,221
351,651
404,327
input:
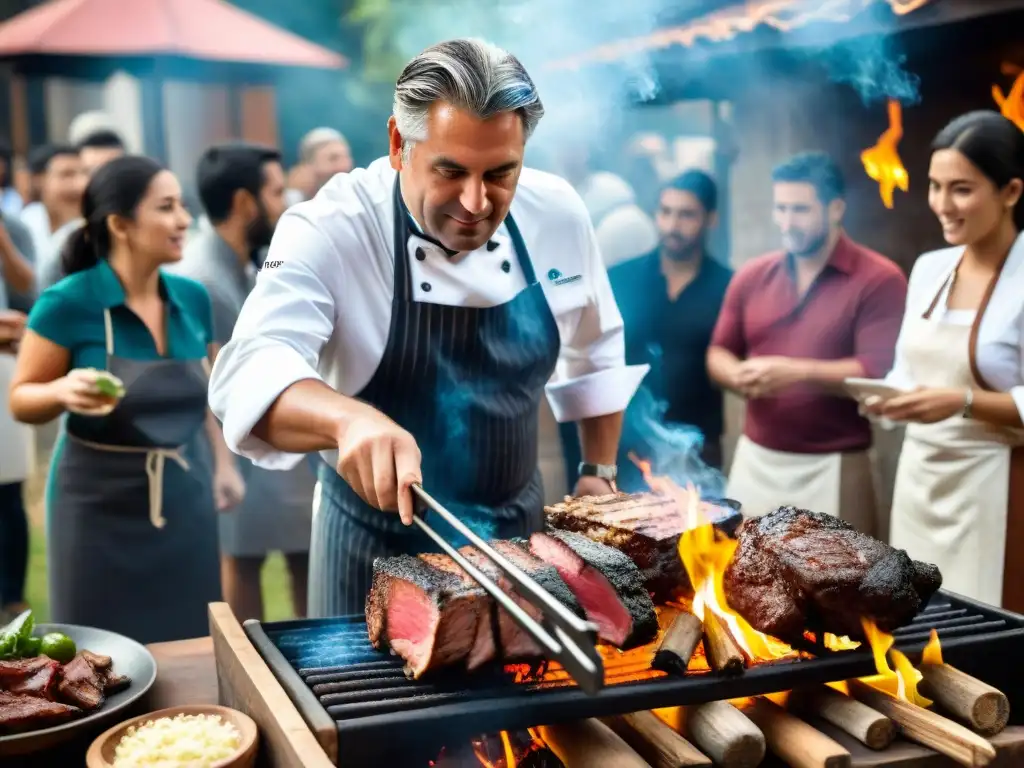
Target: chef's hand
x,y
380,461
924,406
588,485
763,376
12,326
228,486
78,393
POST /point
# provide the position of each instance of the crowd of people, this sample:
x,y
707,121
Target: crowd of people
x,y
352,318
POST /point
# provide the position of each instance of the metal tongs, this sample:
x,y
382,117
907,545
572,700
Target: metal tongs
x,y
563,636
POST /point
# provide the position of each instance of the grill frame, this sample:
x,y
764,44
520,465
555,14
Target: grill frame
x,y
370,739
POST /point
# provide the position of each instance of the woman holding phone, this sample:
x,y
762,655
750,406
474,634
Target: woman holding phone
x,y
959,495
122,348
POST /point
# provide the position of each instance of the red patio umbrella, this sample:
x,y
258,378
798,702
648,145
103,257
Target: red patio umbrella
x,y
155,39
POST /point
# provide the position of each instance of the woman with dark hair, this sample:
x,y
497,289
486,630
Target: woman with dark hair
x,y
959,496
131,520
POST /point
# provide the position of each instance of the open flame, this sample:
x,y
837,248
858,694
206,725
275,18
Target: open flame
x,y
733,20
903,681
706,554
1012,103
882,162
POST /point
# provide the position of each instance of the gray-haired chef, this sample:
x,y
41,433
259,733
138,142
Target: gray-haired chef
x,y
409,318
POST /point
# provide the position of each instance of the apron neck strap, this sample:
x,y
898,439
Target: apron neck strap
x,y
108,330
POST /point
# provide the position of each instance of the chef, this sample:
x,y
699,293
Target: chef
x,y
409,318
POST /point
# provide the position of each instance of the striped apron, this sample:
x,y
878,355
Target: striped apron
x,y
467,383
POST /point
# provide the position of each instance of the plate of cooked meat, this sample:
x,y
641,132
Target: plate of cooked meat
x,y
59,681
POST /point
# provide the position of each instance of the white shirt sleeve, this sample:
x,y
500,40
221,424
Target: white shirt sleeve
x,y
591,377
278,337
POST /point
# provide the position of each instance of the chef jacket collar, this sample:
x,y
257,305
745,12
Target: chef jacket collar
x,y
415,228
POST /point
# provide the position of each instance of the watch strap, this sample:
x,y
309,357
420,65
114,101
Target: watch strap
x,y
607,472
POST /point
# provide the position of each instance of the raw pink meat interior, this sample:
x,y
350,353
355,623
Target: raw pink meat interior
x,y
412,623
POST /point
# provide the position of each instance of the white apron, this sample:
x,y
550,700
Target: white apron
x,y
952,500
16,443
837,484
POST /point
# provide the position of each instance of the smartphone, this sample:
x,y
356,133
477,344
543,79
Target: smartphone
x,y
861,389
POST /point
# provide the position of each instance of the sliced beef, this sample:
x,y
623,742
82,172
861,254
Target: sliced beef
x,y
517,551
644,526
795,570
484,646
27,713
82,684
427,616
606,583
37,676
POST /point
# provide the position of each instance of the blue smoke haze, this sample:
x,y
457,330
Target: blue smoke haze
x,y
873,67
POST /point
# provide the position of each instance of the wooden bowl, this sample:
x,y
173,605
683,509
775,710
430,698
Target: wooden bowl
x,y
101,751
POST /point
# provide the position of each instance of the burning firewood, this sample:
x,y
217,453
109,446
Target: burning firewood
x,y
926,727
795,742
725,734
678,644
590,743
872,729
655,742
984,708
723,652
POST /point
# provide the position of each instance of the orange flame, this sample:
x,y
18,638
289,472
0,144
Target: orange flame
x,y
1011,104
932,653
901,683
882,161
734,20
706,554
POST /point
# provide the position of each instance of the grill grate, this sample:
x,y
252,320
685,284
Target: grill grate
x,y
331,671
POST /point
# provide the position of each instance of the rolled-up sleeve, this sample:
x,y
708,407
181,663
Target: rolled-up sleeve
x,y
591,378
287,319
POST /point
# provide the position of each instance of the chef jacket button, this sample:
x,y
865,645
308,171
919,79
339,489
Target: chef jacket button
x,y
506,266
425,287
491,245
420,254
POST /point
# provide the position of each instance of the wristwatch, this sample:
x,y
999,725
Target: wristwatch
x,y
968,403
605,471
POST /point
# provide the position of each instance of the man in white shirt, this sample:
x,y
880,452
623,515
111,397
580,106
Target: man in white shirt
x,y
408,320
323,152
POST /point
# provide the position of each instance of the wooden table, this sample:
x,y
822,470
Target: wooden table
x,y
186,674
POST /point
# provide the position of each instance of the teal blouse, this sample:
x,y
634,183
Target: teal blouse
x,y
70,313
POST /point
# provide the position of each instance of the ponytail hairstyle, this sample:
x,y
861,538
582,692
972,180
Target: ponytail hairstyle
x,y
116,189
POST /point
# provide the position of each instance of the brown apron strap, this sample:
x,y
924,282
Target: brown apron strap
x,y
1013,562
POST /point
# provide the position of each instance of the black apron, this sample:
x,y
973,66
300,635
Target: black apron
x,y
466,382
132,524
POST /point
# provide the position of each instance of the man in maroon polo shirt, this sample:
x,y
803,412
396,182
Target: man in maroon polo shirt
x,y
795,323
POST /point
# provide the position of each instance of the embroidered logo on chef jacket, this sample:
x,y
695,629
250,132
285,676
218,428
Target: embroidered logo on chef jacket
x,y
556,277
487,277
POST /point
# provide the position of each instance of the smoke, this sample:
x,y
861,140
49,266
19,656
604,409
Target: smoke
x,y
674,450
873,67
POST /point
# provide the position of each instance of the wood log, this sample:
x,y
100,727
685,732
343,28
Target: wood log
x,y
872,729
725,735
927,728
678,644
654,741
982,707
589,744
796,743
723,652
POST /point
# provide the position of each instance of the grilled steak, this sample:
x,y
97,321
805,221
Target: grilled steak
x,y
33,677
24,713
82,684
426,615
605,581
488,631
644,526
795,570
517,551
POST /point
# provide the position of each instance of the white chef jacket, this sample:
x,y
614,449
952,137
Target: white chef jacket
x,y
321,307
1000,349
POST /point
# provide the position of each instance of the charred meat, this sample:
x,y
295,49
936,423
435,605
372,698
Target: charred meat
x,y
606,583
19,713
32,677
795,570
427,616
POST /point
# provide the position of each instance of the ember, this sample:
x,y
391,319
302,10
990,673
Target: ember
x,y
1012,103
507,749
882,162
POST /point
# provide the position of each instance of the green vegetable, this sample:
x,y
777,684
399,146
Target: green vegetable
x,y
109,385
28,649
58,647
14,633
